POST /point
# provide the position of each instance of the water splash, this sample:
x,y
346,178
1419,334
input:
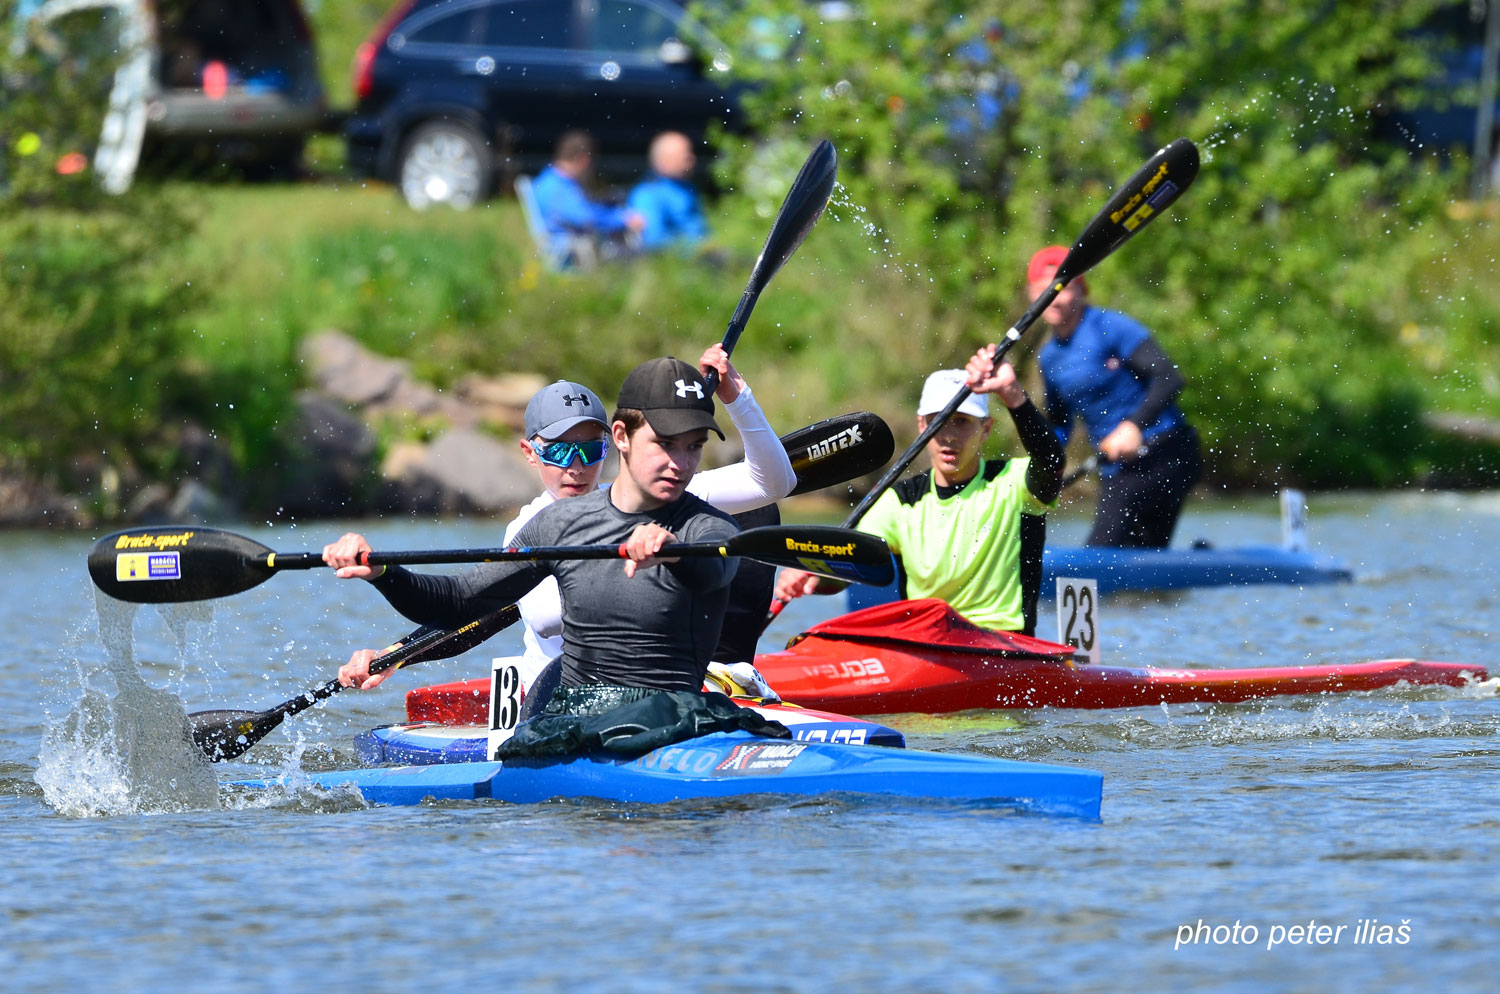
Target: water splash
x,y
130,753
844,209
1321,108
293,790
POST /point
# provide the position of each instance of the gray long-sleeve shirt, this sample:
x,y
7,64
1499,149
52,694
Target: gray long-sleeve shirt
x,y
657,629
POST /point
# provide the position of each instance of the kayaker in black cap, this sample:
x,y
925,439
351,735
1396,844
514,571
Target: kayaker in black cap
x,y
566,439
567,412
628,628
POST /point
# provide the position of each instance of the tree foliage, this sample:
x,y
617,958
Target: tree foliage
x,y
54,83
92,286
971,133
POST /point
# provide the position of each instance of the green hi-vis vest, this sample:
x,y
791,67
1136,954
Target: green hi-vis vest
x,y
980,550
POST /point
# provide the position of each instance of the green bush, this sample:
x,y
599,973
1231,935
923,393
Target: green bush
x,y
54,82
99,369
339,28
88,363
85,364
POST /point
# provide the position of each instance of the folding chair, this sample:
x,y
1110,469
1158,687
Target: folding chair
x,y
557,252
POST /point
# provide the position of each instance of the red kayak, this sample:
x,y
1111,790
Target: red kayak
x,y
919,656
462,702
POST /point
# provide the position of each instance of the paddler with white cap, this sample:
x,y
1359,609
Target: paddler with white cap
x,y
970,530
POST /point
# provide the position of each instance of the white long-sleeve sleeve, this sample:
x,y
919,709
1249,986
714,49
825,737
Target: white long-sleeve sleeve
x,y
541,607
763,476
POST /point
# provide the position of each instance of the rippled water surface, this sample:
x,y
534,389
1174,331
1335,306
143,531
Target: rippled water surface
x,y
126,869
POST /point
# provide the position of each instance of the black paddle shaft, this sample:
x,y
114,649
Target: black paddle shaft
x,y
771,542
936,422
227,734
841,553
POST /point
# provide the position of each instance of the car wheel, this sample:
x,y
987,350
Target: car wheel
x,y
444,163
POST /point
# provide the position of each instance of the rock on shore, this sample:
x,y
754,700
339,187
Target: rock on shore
x,y
455,461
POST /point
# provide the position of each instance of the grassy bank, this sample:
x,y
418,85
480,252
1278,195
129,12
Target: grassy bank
x,y
839,329
852,322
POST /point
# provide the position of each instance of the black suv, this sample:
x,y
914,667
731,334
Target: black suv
x,y
452,91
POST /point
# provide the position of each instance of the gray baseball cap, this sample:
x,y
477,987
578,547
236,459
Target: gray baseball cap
x,y
559,406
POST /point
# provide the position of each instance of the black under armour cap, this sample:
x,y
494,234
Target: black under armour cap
x,y
671,395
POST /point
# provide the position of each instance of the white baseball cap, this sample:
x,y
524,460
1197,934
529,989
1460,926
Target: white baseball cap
x,y
940,388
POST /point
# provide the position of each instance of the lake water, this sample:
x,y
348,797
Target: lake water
x,y
1361,811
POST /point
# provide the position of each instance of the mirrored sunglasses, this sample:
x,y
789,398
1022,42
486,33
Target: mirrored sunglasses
x,y
562,454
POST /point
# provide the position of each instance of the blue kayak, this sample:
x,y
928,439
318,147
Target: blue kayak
x,y
731,764
1175,569
1162,569
421,743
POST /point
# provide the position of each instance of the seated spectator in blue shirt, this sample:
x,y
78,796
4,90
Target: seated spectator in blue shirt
x,y
566,209
667,199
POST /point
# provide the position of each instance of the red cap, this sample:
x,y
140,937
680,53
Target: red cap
x,y
1045,262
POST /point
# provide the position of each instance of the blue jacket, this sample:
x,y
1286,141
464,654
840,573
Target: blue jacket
x,y
672,211
1087,376
566,208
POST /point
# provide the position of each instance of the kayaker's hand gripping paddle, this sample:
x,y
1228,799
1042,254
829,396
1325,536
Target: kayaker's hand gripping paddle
x,y
1154,187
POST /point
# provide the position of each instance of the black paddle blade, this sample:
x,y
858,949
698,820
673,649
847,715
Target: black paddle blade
x,y
800,210
840,553
838,450
804,204
228,734
174,564
1153,188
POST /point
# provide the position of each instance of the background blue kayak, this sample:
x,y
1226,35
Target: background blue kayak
x,y
1162,569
